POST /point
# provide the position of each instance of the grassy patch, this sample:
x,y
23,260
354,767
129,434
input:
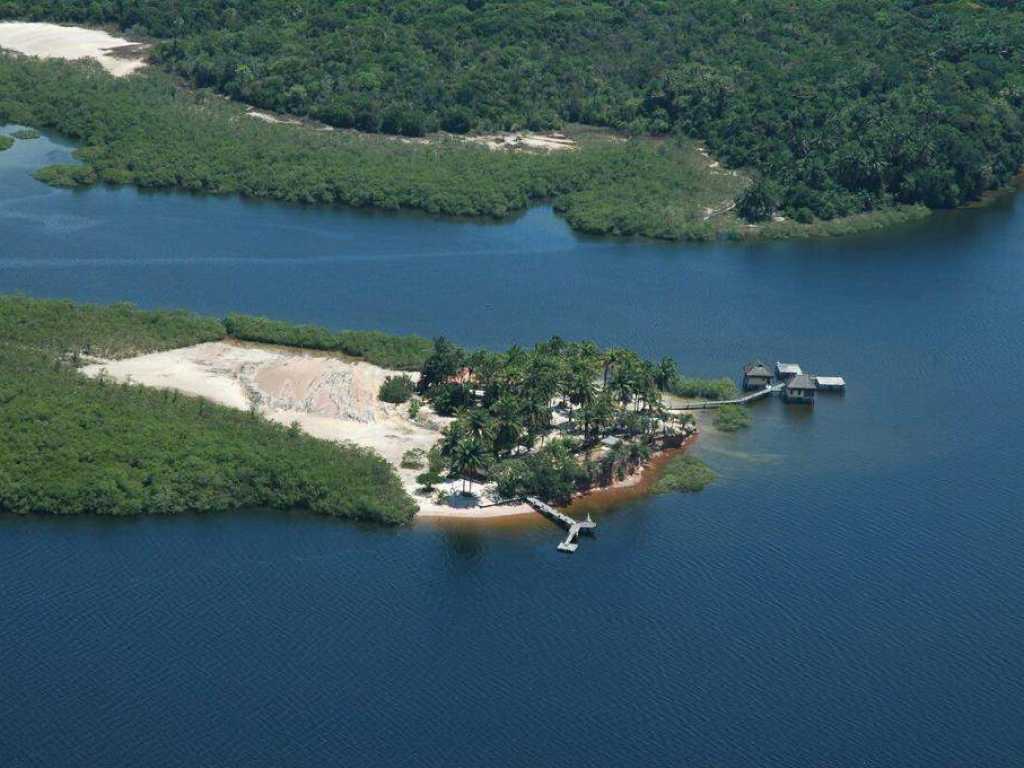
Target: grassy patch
x,y
732,418
69,175
25,134
6,142
684,473
704,389
387,350
112,331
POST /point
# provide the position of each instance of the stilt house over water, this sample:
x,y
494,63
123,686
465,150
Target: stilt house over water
x,y
786,371
799,389
756,376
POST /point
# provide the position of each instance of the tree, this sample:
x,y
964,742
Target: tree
x,y
427,480
666,373
466,461
760,200
443,363
508,423
396,389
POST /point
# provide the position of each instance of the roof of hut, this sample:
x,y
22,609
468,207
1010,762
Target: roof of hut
x,y
801,381
757,369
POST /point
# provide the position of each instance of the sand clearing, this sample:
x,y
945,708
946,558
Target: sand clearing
x,y
548,142
52,41
327,397
268,117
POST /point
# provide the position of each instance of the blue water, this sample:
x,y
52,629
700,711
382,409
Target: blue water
x,y
849,593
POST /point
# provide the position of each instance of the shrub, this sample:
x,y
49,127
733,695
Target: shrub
x,y
406,353
552,474
709,389
427,480
414,459
6,142
803,215
435,460
684,473
396,389
25,134
759,201
414,407
731,418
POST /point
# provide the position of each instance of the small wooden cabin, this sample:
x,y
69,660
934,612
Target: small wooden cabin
x,y
756,376
799,389
830,383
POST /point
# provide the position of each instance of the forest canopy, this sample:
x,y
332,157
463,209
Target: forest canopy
x,y
143,130
842,106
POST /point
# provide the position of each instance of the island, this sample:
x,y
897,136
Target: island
x,y
120,411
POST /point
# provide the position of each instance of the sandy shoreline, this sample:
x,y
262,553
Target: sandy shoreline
x,y
329,397
118,56
335,398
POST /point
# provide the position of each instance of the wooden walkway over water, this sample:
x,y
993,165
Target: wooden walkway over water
x,y
574,527
737,401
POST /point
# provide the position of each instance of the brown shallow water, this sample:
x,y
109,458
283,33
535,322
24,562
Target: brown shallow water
x,y
601,499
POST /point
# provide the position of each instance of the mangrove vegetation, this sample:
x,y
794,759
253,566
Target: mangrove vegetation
x,y
840,106
684,473
76,445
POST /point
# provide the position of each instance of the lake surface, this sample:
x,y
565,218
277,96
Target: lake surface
x,y
849,593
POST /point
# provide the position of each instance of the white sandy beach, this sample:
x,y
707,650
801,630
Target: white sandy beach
x,y
52,41
329,398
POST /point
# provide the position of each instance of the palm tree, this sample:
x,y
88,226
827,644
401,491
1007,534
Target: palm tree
x,y
480,424
467,460
620,458
665,373
454,434
508,423
610,360
537,414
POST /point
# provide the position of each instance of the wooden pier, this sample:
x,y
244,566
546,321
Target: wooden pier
x,y
737,401
574,527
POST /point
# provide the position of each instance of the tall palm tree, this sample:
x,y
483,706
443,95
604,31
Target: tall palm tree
x,y
537,413
610,360
508,423
665,373
480,424
467,460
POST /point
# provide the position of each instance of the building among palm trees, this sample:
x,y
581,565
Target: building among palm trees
x,y
756,376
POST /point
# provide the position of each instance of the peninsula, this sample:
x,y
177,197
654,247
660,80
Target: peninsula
x,y
115,410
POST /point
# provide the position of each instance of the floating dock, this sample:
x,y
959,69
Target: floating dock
x,y
574,527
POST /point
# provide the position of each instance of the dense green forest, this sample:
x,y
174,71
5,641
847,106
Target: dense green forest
x,y
74,445
143,130
842,106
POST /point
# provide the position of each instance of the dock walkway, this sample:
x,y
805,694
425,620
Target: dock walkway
x,y
736,401
574,527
